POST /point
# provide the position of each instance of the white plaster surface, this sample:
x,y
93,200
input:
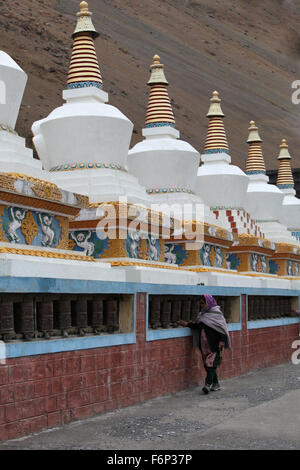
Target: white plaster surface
x,y
13,81
154,275
85,129
219,183
162,161
34,266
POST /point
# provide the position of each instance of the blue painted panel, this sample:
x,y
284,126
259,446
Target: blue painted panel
x,y
51,285
32,348
271,323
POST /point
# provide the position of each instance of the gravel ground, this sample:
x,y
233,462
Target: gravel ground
x,y
259,410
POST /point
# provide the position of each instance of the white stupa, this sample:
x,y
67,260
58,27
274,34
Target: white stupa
x,y
264,200
14,156
164,164
223,186
290,216
84,143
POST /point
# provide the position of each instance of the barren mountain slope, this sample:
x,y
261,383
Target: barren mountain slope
x,y
247,50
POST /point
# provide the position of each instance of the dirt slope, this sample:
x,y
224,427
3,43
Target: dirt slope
x,y
248,51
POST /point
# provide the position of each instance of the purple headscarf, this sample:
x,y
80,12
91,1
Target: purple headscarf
x,y
210,303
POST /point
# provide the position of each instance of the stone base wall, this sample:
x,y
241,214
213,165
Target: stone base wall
x,y
47,390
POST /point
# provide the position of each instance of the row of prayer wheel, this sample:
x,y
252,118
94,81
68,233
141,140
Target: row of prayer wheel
x,y
166,310
30,317
268,307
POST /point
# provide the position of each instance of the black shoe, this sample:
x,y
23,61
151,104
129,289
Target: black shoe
x,y
206,389
215,387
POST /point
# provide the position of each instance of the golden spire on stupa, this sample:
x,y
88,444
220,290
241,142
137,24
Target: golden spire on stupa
x,y
159,111
216,140
255,162
84,68
285,177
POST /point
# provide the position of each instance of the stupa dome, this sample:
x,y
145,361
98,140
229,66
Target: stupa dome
x,y
263,201
162,162
220,184
12,85
85,132
291,205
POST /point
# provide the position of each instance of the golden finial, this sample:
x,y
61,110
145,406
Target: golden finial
x,y
284,152
156,60
253,133
157,72
84,21
84,9
215,107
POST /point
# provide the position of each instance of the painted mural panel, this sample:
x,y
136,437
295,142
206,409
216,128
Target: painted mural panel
x,y
88,243
28,227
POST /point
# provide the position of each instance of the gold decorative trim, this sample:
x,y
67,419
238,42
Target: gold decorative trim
x,y
44,254
64,240
29,228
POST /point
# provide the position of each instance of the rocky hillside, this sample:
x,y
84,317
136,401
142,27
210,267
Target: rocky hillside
x,y
248,51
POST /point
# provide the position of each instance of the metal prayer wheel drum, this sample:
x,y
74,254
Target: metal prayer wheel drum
x,y
250,308
282,306
62,314
175,311
79,313
111,314
44,311
268,307
24,318
255,308
286,306
154,311
95,313
195,309
186,309
7,328
271,306
166,313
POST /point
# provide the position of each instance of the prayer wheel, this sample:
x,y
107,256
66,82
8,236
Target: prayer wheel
x,y
186,309
79,314
24,318
175,311
111,317
7,329
44,312
95,314
195,308
154,311
166,313
62,315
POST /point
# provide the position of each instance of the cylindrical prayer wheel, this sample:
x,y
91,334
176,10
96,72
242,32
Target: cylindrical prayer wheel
x,y
175,311
250,307
95,313
195,308
186,309
24,318
45,316
166,313
62,314
154,311
79,313
7,319
111,317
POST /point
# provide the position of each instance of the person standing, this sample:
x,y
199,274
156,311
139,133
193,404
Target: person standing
x,y
211,335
